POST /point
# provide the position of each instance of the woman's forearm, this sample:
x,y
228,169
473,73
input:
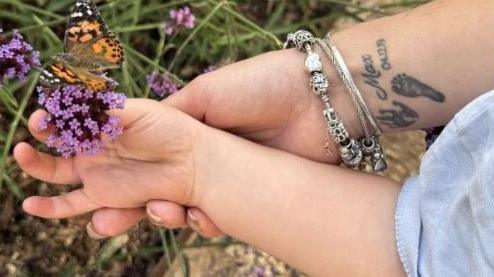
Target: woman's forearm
x,y
415,70
418,68
319,218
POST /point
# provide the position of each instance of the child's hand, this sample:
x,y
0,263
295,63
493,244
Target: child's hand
x,y
155,158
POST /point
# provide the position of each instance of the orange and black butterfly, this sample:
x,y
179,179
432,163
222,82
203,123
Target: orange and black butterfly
x,y
90,49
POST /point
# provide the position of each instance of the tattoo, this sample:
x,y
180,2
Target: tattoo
x,y
372,75
399,116
408,86
382,51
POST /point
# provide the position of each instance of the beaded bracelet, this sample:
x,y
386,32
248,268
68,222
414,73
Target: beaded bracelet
x,y
354,153
370,144
350,150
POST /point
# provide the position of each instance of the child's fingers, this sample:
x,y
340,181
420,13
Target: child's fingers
x,y
201,223
45,167
166,214
172,215
34,127
62,206
108,222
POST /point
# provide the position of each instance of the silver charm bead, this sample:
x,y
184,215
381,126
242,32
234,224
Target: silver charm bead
x,y
301,38
330,115
380,165
335,126
313,63
373,153
376,155
319,83
368,145
351,153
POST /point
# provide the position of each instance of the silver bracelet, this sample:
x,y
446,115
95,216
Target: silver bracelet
x,y
370,143
350,149
354,153
335,56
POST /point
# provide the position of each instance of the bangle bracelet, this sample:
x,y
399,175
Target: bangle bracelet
x,y
337,59
370,143
350,149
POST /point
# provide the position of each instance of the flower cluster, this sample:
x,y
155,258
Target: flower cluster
x,y
208,69
161,84
79,118
17,57
431,134
259,271
182,17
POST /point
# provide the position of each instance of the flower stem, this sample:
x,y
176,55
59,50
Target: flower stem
x,y
13,127
193,33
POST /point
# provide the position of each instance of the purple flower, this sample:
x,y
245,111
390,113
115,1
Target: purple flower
x,y
79,118
43,124
431,134
161,84
113,100
208,69
17,57
258,272
181,17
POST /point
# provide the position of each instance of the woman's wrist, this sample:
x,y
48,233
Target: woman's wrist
x,y
312,137
315,124
411,68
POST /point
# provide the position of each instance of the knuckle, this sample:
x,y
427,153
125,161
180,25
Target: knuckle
x,y
201,83
201,88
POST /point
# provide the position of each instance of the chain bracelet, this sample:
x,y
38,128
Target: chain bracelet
x,y
341,71
335,56
350,150
370,143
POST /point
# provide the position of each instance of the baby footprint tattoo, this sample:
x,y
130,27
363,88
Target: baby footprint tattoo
x,y
399,116
408,86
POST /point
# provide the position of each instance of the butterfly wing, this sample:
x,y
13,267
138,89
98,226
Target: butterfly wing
x,y
85,24
88,40
104,53
48,79
94,82
74,75
90,48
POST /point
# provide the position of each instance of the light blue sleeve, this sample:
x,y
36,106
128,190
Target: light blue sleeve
x,y
444,220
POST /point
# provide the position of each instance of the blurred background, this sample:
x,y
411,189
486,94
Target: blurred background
x,y
218,32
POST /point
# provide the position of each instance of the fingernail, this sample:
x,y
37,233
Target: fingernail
x,y
92,233
192,221
154,219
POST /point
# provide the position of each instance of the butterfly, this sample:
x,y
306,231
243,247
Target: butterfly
x,y
90,49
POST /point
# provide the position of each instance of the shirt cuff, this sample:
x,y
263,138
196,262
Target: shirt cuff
x,y
408,226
